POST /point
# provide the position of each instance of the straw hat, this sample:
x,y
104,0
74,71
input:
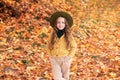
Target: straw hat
x,y
61,14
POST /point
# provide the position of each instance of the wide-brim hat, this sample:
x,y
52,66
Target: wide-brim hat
x,y
61,14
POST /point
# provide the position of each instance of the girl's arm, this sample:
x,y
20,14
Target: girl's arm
x,y
73,48
48,44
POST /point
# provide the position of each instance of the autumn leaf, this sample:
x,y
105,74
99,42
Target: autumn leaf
x,y
25,28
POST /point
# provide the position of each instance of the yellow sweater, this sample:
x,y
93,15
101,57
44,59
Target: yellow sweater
x,y
59,47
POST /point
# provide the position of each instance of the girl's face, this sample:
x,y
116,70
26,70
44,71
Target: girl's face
x,y
60,23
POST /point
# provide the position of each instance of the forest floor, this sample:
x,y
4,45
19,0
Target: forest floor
x,y
24,31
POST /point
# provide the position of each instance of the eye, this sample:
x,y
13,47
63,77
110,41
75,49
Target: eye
x,y
58,22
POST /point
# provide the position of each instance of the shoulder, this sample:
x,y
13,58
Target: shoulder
x,y
50,32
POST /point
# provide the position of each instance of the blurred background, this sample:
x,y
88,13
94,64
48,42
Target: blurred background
x,y
25,28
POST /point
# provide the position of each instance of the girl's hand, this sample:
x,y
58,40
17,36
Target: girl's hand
x,y
67,58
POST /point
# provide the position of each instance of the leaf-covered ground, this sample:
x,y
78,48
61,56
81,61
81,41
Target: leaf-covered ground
x,y
24,31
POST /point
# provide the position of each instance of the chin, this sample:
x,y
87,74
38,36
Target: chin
x,y
61,28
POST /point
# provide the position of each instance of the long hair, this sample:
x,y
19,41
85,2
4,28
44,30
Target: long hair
x,y
67,34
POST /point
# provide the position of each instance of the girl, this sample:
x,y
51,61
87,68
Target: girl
x,y
61,45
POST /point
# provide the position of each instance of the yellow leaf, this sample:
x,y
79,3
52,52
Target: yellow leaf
x,y
74,68
117,58
17,52
2,56
112,74
47,75
30,68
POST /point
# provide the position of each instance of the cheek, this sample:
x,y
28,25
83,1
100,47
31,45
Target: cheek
x,y
57,25
64,26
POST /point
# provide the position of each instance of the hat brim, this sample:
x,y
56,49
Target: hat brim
x,y
61,14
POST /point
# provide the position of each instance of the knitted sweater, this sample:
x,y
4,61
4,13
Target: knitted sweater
x,y
59,47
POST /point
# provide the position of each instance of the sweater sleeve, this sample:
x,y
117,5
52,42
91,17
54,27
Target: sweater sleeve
x,y
48,44
73,48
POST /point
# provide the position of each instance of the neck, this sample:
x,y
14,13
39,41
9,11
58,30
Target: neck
x,y
60,33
